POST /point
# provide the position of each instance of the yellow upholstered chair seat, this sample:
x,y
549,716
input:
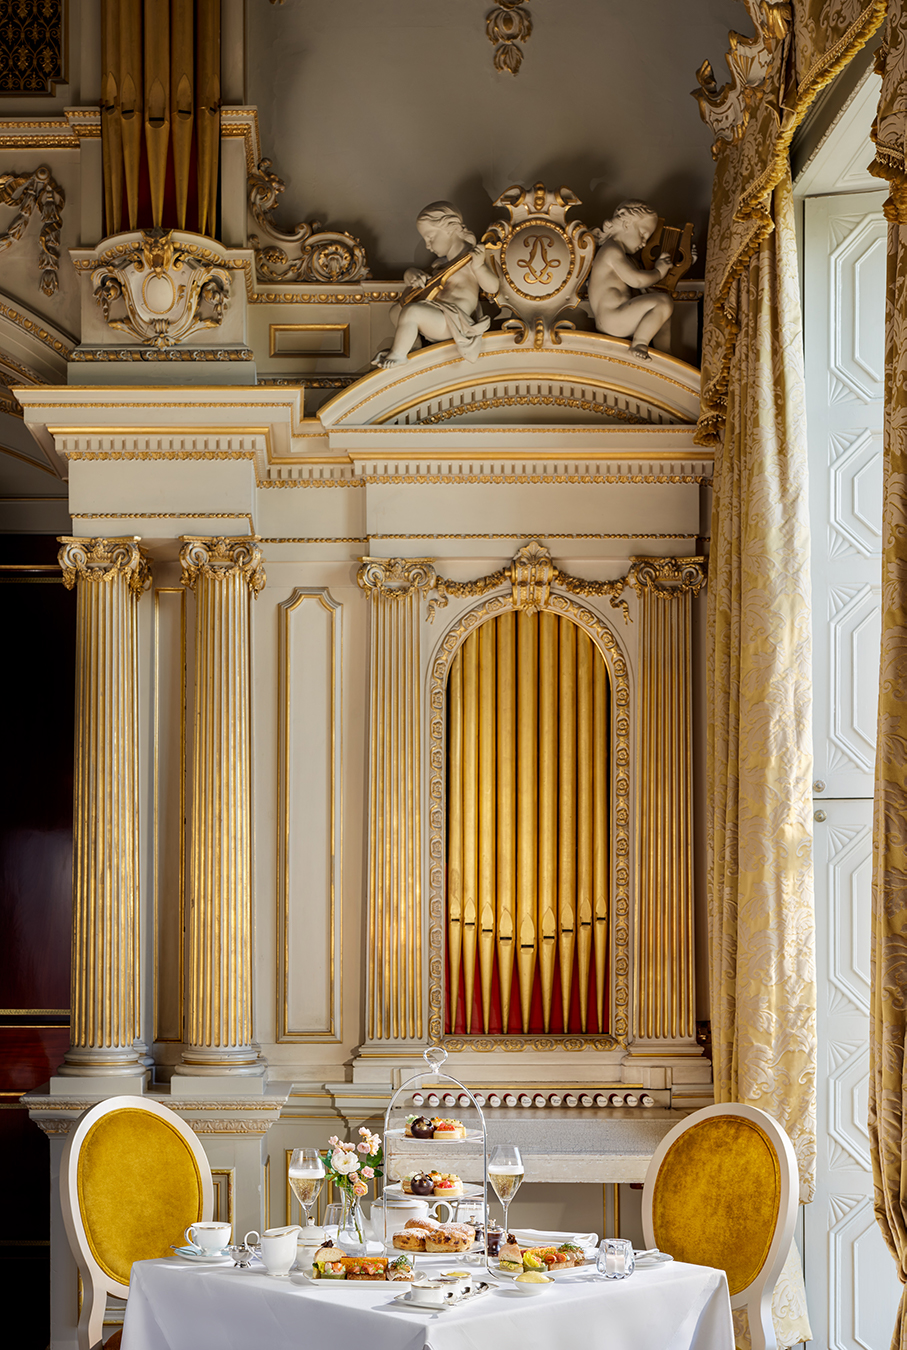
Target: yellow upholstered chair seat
x,y
133,1177
721,1190
717,1195
139,1188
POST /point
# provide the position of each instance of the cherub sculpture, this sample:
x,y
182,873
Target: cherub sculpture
x,y
442,304
615,277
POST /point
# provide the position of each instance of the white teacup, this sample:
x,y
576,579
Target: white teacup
x,y
434,1293
210,1238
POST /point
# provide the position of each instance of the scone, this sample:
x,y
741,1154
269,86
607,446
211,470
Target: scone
x,y
411,1239
427,1222
450,1238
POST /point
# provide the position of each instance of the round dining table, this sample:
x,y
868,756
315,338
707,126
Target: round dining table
x,y
174,1305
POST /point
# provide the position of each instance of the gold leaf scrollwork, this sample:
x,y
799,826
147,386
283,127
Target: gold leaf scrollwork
x,y
103,559
396,577
329,256
531,574
727,110
219,558
27,192
195,293
507,26
667,577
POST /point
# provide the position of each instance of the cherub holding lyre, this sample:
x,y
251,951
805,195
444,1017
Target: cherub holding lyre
x,y
442,304
615,280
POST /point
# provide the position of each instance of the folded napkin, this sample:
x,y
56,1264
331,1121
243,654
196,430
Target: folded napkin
x,y
540,1237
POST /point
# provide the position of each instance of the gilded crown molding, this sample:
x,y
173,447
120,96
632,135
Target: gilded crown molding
x,y
103,559
727,110
507,26
28,192
326,256
219,558
396,577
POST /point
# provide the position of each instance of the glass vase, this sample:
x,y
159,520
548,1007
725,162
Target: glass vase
x,y
351,1234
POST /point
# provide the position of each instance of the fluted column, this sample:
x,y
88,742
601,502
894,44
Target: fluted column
x,y
395,938
665,991
110,575
225,575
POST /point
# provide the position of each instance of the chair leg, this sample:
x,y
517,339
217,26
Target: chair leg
x,y
91,1319
762,1326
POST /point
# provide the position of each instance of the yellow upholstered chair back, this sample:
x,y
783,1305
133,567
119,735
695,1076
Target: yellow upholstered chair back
x,y
134,1177
721,1191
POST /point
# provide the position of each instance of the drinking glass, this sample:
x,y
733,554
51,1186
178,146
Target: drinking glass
x,y
306,1177
615,1258
505,1172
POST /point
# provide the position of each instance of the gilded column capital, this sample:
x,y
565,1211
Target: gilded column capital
x,y
668,577
531,574
220,558
103,559
397,576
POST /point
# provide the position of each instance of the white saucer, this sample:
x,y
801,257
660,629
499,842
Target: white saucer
x,y
221,1258
650,1262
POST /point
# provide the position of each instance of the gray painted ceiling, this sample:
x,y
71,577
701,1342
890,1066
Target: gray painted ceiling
x,y
370,109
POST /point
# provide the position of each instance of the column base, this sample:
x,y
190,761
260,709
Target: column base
x,y
221,1071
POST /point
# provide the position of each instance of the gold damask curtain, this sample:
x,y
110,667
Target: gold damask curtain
x,y
888,1023
761,919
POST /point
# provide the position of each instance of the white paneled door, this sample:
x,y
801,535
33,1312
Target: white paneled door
x,y
851,1281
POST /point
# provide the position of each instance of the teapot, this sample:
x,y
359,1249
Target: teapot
x,y
389,1215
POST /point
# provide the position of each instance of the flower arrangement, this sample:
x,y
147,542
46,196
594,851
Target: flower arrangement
x,y
351,1167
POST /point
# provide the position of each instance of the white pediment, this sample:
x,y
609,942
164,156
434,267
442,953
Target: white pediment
x,y
586,379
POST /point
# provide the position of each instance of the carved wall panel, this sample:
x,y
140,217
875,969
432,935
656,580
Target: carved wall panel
x,y
856,285
310,640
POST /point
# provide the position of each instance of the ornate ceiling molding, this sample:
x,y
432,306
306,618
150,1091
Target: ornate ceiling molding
x,y
508,25
727,110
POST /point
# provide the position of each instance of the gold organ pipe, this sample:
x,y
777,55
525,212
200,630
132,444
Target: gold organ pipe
x,y
566,887
506,807
455,831
527,806
487,749
131,84
687,1024
208,125
182,97
111,126
157,100
547,820
585,656
470,817
600,828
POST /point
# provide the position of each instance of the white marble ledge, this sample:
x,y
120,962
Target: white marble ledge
x,y
239,1115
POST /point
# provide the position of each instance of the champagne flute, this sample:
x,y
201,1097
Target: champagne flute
x,y
505,1172
306,1177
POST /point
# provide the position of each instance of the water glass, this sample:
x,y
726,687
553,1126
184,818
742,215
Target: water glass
x,y
615,1258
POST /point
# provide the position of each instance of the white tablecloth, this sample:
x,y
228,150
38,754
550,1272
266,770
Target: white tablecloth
x,y
175,1306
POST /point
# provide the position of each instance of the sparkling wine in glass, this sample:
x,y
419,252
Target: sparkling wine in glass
x,y
505,1172
306,1177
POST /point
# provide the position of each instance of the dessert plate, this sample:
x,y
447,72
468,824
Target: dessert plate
x,y
468,1192
471,1135
588,1264
198,1258
300,1277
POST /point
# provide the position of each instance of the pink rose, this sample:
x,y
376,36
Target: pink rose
x,y
360,1188
363,1148
368,1172
333,1141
